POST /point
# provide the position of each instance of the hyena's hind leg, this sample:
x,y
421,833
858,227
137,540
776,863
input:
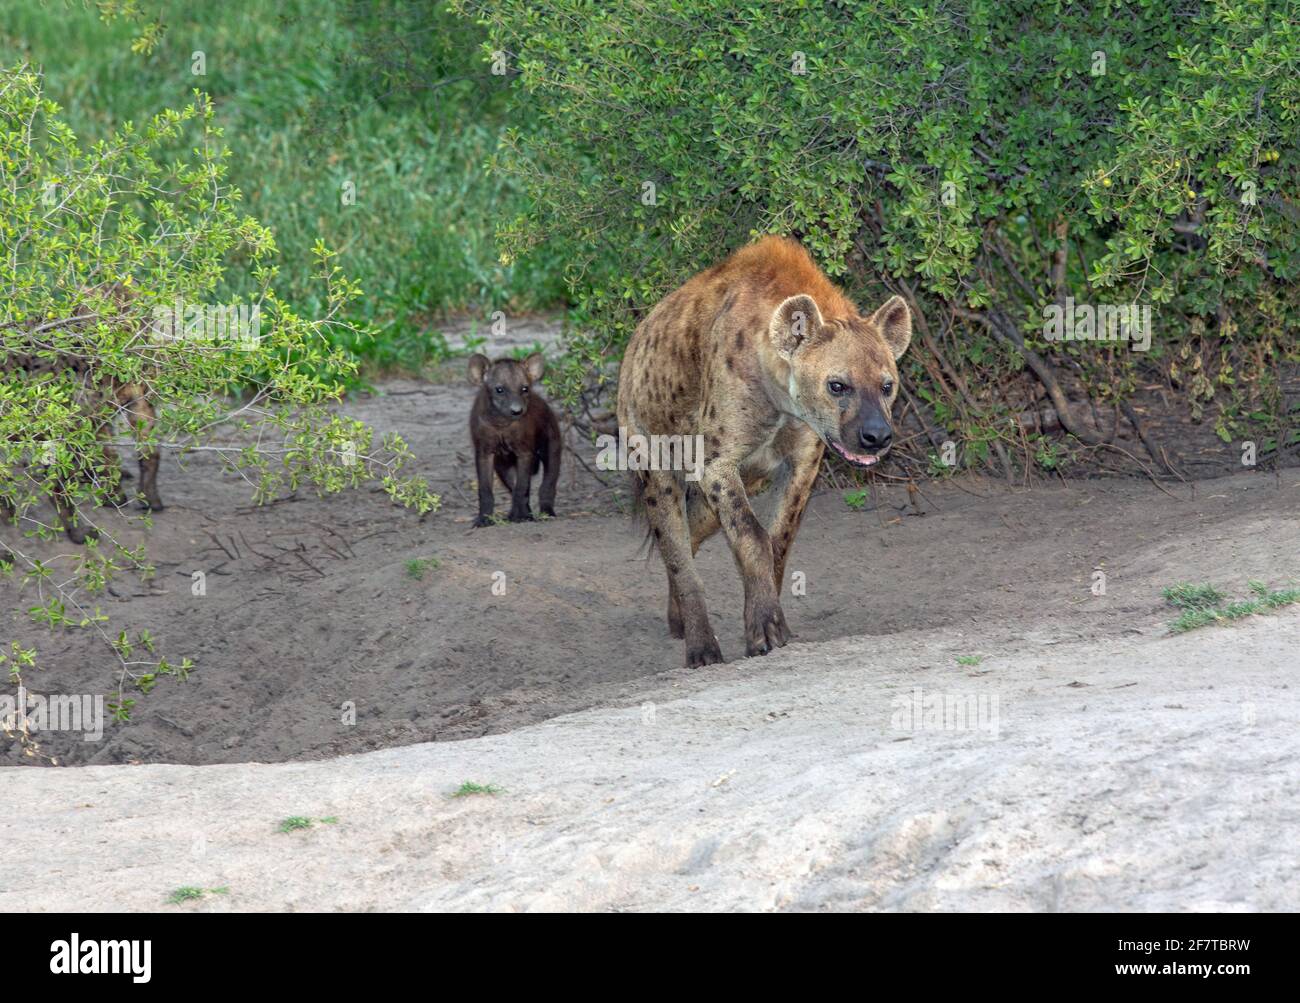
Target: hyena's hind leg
x,y
665,508
703,523
141,417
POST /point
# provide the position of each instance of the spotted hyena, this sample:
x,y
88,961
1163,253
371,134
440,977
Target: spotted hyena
x,y
102,398
766,360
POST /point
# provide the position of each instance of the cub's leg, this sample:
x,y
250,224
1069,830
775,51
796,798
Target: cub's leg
x,y
525,467
551,471
484,460
666,510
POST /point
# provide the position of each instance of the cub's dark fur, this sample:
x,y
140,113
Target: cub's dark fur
x,y
513,431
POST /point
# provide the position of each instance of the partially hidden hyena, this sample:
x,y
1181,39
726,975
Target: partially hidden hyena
x,y
101,398
766,360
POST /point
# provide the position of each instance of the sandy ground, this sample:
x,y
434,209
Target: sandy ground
x,y
1144,773
309,607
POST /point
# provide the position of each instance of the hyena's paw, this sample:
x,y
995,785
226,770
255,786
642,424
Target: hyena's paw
x,y
765,628
549,510
524,515
481,521
705,652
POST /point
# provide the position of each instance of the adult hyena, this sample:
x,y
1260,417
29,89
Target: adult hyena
x,y
100,397
769,362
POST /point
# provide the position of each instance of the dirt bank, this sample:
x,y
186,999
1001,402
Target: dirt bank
x,y
310,605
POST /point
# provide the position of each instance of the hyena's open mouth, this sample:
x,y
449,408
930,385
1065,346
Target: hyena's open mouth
x,y
857,459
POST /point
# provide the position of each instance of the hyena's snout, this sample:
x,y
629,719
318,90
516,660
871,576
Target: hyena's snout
x,y
874,433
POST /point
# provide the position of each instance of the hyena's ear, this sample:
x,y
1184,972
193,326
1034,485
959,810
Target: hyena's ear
x,y
478,367
534,366
894,320
794,322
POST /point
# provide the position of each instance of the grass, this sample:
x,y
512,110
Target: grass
x,y
295,823
969,659
189,893
1204,604
309,102
469,788
418,566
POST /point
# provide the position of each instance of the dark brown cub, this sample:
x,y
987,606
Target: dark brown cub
x,y
513,431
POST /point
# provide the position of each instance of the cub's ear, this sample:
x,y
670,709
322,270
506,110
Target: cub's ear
x,y
478,367
534,365
794,322
894,321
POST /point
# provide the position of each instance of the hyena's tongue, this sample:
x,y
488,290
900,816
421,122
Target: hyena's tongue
x,y
861,459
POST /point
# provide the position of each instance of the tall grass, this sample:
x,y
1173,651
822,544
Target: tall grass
x,y
390,95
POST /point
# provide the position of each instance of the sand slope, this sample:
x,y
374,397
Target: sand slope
x,y
1151,772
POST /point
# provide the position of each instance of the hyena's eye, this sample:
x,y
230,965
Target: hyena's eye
x,y
836,388
523,389
501,390
887,388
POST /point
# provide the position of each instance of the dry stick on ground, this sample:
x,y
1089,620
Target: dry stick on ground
x,y
1042,369
1157,455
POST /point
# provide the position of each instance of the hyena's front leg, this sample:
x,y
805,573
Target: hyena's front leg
x,y
665,508
141,417
765,627
703,523
805,461
483,467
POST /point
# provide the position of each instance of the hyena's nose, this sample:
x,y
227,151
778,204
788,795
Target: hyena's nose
x,y
875,436
516,409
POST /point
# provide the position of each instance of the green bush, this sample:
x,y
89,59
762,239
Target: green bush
x,y
97,247
985,159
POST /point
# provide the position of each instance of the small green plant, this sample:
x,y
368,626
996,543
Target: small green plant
x,y
856,500
189,893
469,788
938,468
1049,455
295,822
969,659
417,566
1202,604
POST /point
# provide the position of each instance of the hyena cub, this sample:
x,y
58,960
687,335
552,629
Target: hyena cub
x,y
513,431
